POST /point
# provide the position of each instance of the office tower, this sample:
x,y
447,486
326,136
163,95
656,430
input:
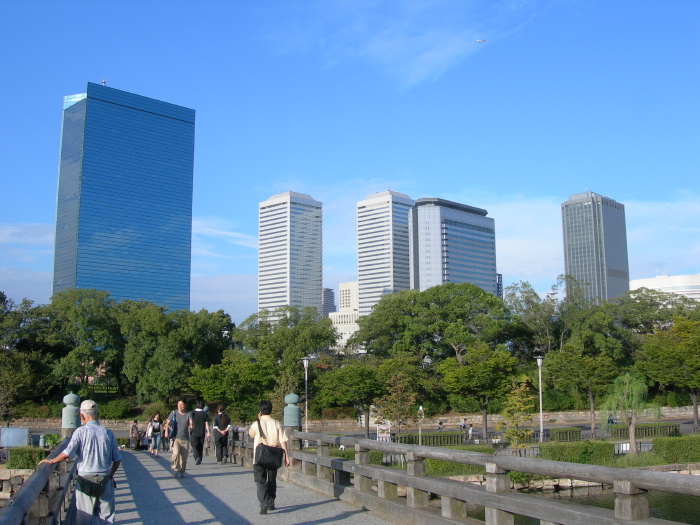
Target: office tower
x,y
290,269
327,302
382,247
345,319
595,244
451,243
124,206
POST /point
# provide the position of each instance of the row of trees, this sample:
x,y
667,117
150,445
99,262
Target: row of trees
x,y
452,347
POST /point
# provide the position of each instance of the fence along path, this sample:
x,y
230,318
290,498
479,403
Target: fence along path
x,y
211,493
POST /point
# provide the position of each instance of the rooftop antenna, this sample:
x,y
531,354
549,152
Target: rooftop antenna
x,y
104,81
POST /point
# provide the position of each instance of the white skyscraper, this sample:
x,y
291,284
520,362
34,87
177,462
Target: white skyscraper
x,y
595,244
452,243
382,247
345,319
290,267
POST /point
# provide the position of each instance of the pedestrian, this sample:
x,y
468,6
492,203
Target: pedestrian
x,y
181,440
134,435
440,427
469,433
98,458
266,479
155,431
222,424
200,431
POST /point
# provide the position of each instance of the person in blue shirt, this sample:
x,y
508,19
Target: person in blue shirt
x,y
98,458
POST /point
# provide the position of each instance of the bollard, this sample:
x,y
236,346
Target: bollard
x,y
70,415
42,440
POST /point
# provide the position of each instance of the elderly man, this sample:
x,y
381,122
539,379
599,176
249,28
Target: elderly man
x,y
98,457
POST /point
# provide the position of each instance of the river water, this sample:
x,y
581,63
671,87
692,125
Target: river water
x,y
671,507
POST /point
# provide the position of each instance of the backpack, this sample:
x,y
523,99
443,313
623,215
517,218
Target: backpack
x,y
172,425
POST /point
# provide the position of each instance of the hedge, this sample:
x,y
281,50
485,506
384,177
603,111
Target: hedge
x,y
585,452
437,467
25,457
679,449
619,431
375,456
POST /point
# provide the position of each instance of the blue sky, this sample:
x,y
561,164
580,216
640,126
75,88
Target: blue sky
x,y
340,99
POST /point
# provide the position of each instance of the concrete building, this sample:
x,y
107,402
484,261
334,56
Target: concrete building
x,y
595,244
687,285
451,243
345,319
382,247
290,267
124,205
327,302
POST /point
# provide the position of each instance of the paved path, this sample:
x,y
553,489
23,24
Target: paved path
x,y
210,493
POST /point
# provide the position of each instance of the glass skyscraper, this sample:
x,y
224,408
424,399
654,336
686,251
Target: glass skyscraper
x,y
595,244
290,265
451,243
382,247
124,207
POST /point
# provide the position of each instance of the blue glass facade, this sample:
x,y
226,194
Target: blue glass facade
x,y
124,207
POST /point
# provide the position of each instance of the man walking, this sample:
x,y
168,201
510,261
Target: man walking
x,y
200,430
98,458
181,439
266,479
222,424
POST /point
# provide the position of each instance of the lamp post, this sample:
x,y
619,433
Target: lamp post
x,y
421,415
306,360
539,359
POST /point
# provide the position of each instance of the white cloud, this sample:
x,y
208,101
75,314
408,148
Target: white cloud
x,y
27,233
220,228
20,283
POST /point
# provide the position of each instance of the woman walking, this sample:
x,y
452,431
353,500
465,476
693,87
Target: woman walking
x,y
155,429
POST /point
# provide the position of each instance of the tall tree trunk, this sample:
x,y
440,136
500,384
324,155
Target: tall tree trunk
x,y
633,433
484,416
366,423
694,399
591,401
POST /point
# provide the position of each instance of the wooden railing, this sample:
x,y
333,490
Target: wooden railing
x,y
46,497
376,487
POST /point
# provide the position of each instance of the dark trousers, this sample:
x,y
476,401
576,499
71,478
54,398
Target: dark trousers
x,y
197,447
221,443
266,482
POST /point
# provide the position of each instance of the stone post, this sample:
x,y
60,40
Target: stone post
x,y
362,483
292,422
322,451
416,467
70,419
497,480
630,501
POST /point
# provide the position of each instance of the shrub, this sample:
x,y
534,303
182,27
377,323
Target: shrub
x,y
25,457
522,478
463,404
556,401
375,456
122,442
30,409
52,440
678,399
679,449
339,413
437,467
585,452
115,409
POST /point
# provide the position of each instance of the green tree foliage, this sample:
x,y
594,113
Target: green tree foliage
x,y
516,412
398,405
537,315
672,359
483,373
628,399
355,384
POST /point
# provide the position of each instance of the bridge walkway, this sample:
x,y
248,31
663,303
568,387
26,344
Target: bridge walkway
x,y
211,494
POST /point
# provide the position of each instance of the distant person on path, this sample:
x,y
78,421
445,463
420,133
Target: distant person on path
x,y
440,427
200,431
181,442
134,435
98,457
222,424
470,430
266,479
154,431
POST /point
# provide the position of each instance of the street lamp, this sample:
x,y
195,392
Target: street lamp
x,y
539,358
306,360
421,415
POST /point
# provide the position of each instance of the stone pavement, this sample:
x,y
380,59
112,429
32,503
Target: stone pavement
x,y
210,494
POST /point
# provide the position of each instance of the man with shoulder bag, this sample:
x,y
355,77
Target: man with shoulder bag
x,y
98,457
268,435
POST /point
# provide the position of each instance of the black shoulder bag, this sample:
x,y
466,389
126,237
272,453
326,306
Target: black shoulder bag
x,y
266,456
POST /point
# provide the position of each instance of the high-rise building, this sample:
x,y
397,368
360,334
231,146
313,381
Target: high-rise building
x,y
451,243
595,244
382,247
290,267
327,302
124,206
345,319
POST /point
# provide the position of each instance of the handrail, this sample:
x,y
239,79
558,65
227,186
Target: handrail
x,y
645,479
20,504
